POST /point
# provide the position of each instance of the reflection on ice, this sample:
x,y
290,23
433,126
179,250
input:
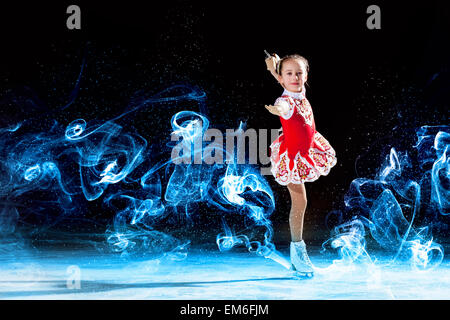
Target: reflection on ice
x,y
212,275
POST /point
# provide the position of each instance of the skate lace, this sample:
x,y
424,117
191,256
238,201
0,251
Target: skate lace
x,y
304,256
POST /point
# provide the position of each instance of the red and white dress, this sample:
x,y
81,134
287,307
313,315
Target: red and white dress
x,y
300,154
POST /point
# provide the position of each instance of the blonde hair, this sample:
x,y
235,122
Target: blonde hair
x,y
291,57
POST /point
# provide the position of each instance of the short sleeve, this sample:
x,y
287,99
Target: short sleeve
x,y
283,102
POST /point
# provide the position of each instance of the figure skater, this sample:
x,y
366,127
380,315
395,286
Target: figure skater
x,y
300,154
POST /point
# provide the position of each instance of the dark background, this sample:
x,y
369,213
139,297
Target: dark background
x,y
369,89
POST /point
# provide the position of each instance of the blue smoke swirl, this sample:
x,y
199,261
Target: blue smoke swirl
x,y
388,205
88,159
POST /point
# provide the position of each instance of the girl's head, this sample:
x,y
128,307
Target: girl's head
x,y
292,72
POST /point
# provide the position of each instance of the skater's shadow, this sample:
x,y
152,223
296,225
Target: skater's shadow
x,y
60,287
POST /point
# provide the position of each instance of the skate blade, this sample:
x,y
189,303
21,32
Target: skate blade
x,y
301,275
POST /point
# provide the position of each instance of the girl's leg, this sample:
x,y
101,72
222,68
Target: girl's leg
x,y
298,208
299,257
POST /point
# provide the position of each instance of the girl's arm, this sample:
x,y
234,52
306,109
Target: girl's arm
x,y
271,63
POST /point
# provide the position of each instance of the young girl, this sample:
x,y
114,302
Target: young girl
x,y
300,154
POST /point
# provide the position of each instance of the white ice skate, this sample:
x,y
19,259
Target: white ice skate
x,y
300,260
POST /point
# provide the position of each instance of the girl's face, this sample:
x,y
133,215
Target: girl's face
x,y
293,75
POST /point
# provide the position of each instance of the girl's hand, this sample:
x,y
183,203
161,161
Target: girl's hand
x,y
271,62
276,110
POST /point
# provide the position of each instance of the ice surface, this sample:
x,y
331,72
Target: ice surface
x,y
209,275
